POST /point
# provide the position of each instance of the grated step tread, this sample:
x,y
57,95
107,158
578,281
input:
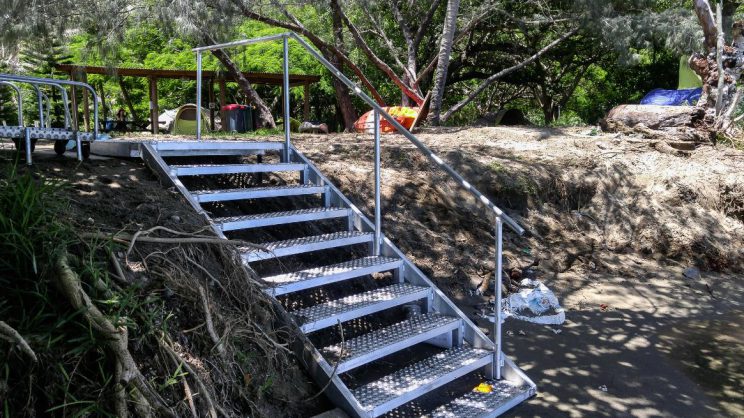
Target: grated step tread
x,y
257,192
306,244
329,269
354,306
384,341
477,404
419,378
216,169
258,220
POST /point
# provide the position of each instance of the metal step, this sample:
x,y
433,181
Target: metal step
x,y
420,378
193,148
355,306
55,134
213,169
382,342
505,395
319,276
257,192
280,218
306,245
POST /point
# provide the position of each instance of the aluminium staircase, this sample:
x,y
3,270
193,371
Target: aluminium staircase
x,y
408,350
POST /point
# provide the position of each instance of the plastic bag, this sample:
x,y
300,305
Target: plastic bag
x,y
534,303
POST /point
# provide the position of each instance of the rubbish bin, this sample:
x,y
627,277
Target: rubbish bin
x,y
234,117
247,115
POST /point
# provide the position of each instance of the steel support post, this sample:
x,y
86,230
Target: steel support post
x,y
378,211
27,137
497,295
285,71
198,94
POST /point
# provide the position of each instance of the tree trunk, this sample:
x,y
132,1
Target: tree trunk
x,y
264,117
445,48
343,98
720,96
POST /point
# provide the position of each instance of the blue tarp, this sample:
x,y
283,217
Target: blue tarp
x,y
672,97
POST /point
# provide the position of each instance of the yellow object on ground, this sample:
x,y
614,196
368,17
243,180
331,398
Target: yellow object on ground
x,y
483,388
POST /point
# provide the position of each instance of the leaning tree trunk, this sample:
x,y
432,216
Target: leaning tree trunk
x,y
445,48
720,68
265,119
343,98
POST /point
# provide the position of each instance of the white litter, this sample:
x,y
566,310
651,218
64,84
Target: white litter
x,y
534,303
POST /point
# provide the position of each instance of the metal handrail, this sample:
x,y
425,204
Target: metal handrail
x,y
59,83
20,99
500,216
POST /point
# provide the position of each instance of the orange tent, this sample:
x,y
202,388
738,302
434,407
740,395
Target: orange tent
x,y
404,115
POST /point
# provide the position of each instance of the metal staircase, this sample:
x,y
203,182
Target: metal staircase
x,y
422,358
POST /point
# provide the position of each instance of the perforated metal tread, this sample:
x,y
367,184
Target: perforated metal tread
x,y
319,276
305,245
258,192
418,379
279,218
188,148
214,169
54,134
504,396
328,314
382,342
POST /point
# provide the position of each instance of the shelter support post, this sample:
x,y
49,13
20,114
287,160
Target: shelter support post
x,y
306,103
73,95
223,102
210,94
86,109
154,111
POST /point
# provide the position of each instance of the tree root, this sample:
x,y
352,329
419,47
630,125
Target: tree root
x,y
167,345
69,284
9,334
210,325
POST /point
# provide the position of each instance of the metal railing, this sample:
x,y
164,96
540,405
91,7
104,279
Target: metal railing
x,y
35,82
499,215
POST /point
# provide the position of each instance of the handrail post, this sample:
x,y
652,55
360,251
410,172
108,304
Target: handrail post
x,y
378,211
497,296
198,94
285,71
27,141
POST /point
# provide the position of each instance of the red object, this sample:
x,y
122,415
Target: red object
x,y
404,115
234,107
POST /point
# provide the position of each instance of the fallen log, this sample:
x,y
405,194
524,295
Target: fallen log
x,y
653,116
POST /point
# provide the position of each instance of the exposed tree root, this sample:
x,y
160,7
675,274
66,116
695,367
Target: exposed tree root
x,y
9,334
69,284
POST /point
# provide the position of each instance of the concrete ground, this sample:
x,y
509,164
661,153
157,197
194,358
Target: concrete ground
x,y
660,347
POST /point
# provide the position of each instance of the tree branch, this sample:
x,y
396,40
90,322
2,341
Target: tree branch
x,y
323,46
504,72
408,91
708,22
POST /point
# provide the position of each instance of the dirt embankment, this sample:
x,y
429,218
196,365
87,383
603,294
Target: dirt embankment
x,y
581,196
203,333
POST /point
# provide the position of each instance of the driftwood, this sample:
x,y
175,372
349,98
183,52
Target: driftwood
x,y
672,123
653,116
